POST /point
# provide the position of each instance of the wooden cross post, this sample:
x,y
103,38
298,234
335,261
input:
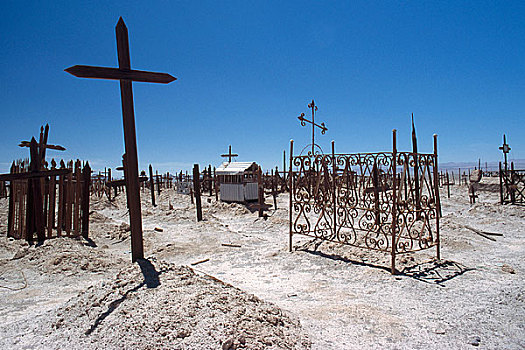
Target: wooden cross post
x,y
152,186
197,186
229,155
42,144
126,76
304,121
506,149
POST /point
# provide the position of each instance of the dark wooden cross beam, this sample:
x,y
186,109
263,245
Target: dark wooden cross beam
x,y
505,149
42,144
126,76
304,121
229,154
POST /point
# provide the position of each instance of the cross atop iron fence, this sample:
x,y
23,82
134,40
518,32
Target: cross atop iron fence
x,y
304,121
229,154
505,148
126,76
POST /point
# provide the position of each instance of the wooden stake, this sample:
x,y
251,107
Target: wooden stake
x,y
86,177
197,186
152,186
260,187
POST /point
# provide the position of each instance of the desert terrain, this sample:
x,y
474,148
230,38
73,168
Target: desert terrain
x,y
229,282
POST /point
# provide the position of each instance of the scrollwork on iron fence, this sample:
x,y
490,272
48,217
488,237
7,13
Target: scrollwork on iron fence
x,y
383,201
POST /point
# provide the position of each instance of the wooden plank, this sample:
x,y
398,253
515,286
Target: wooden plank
x,y
55,147
51,211
61,204
21,194
76,199
118,183
31,175
69,202
82,71
37,193
11,210
86,177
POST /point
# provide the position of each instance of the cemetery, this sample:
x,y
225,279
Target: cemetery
x,y
337,249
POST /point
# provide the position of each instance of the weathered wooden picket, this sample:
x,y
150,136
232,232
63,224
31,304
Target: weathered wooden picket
x,y
50,202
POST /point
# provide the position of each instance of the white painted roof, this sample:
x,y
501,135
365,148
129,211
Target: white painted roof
x,y
233,168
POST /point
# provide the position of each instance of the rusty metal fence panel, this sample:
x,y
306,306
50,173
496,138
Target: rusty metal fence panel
x,y
512,185
385,201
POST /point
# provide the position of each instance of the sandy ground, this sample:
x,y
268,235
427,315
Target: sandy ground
x,y
249,292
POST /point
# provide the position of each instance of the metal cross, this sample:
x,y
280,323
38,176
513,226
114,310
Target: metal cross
x,y
229,154
506,149
126,76
304,121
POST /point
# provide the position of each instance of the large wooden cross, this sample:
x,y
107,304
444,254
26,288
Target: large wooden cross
x,y
126,76
229,155
505,148
304,121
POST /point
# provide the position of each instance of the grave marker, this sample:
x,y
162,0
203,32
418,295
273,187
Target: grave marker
x,y
126,76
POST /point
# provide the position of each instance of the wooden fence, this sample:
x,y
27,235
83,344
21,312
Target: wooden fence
x,y
50,203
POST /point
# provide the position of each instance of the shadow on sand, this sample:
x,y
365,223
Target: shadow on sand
x,y
432,271
151,280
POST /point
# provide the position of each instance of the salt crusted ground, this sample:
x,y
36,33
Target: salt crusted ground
x,y
75,294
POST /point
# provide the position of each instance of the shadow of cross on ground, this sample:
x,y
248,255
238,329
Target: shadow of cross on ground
x,y
151,280
151,276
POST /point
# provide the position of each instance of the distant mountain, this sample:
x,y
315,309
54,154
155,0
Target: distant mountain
x,y
492,166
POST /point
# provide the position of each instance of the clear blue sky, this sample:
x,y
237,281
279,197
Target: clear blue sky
x,y
247,69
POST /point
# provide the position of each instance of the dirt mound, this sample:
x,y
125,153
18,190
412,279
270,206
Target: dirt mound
x,y
61,255
161,305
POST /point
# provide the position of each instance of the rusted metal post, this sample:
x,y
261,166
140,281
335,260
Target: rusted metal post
x,y
375,184
197,185
152,186
290,186
438,201
512,184
334,188
394,201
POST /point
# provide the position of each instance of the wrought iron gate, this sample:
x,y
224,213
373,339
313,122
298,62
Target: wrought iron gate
x,y
386,201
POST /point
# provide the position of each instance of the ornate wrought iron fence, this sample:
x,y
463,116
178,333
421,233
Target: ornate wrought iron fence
x,y
386,201
512,185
